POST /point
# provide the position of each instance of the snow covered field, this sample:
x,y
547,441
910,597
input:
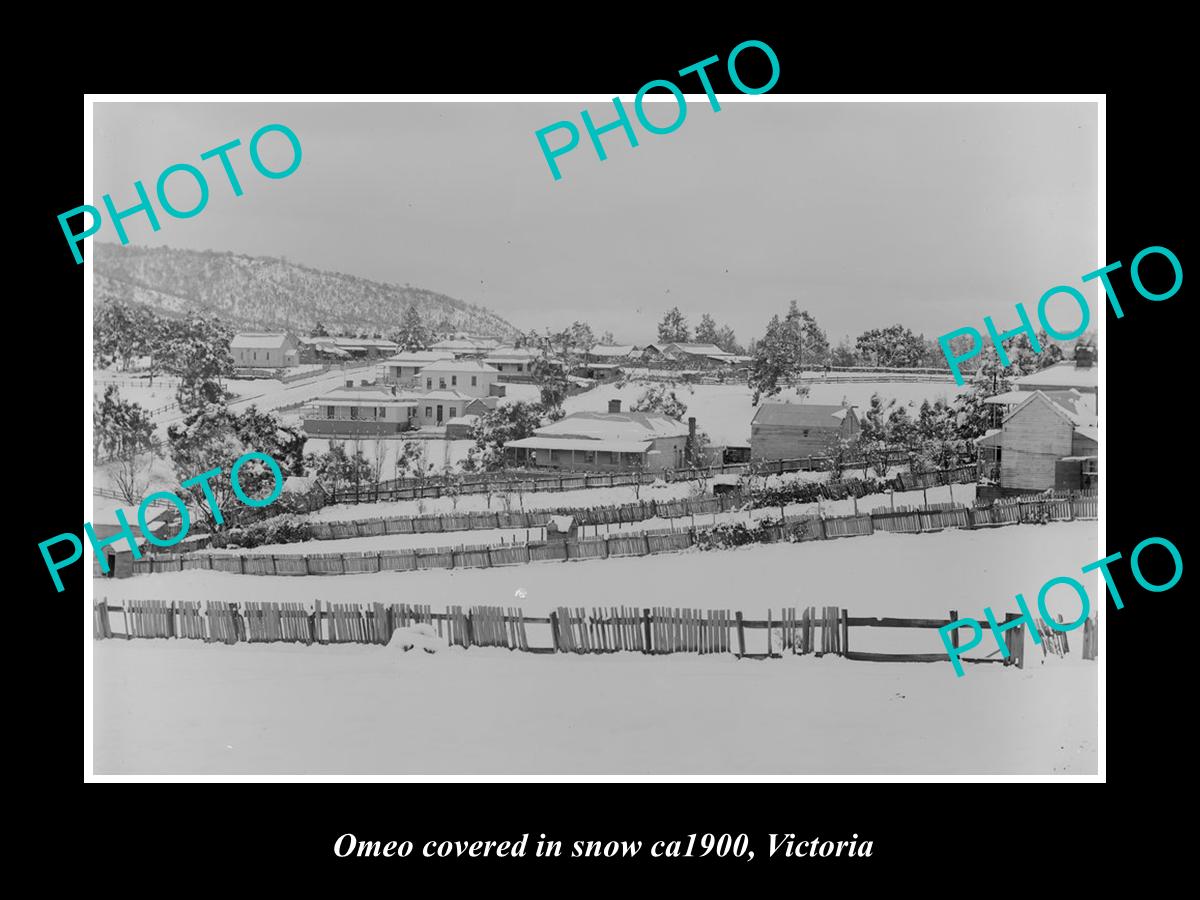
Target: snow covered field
x,y
724,410
180,706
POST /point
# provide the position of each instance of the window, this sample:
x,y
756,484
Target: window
x,y
428,385
268,356
441,383
453,412
256,356
354,412
453,381
589,457
806,432
429,412
329,412
520,368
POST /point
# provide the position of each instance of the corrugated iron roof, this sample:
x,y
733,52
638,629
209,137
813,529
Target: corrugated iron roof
x,y
800,415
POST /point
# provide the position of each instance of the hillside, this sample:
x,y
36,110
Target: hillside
x,y
266,293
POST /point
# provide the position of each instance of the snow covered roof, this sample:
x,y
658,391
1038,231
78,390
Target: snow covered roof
x,y
587,444
258,340
612,350
699,349
990,438
1060,375
416,357
800,415
468,420
458,365
464,344
509,354
625,426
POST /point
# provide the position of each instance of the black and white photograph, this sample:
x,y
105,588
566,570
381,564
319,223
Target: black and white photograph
x,y
522,437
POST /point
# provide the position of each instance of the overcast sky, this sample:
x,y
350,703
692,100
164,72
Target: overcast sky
x,y
932,215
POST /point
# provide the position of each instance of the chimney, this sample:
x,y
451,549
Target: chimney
x,y
614,406
1085,357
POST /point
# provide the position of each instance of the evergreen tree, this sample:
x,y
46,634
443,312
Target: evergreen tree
x,y
412,334
673,329
892,347
706,331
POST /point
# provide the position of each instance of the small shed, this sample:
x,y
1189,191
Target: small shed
x,y
791,430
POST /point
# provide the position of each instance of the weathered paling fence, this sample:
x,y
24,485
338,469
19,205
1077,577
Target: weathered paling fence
x,y
507,483
651,630
590,515
641,543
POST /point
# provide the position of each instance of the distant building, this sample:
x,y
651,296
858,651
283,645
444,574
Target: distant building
x,y
597,371
1080,374
466,347
511,361
326,349
613,353
470,376
791,430
373,411
461,427
265,350
604,442
404,366
1043,443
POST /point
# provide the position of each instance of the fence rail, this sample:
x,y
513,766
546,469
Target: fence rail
x,y
649,630
640,543
430,488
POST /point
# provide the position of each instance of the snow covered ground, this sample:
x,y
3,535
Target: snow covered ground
x,y
179,706
356,710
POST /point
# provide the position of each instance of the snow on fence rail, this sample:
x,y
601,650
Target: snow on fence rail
x,y
642,543
650,630
505,483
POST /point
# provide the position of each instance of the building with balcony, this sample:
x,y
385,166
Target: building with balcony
x,y
604,442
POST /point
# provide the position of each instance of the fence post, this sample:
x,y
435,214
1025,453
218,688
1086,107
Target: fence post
x,y
554,630
649,648
954,633
845,631
741,635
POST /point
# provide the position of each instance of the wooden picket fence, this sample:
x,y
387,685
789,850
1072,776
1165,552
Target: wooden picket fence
x,y
824,631
631,543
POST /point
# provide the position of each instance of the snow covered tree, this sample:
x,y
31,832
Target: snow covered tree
x,y
124,433
706,331
213,437
843,354
657,399
673,328
412,334
495,429
727,340
116,334
198,352
894,347
806,340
